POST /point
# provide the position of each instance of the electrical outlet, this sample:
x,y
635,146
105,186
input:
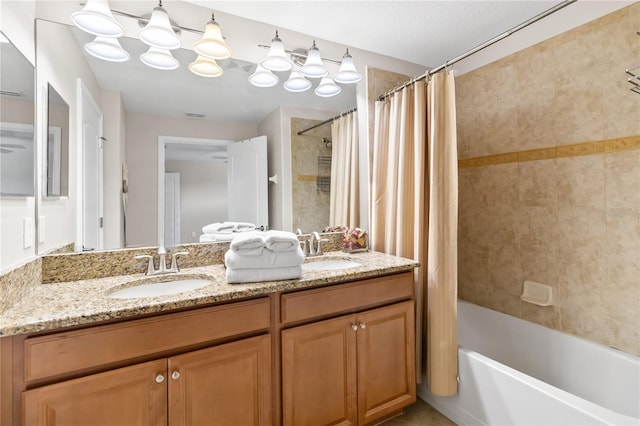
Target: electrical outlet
x,y
193,233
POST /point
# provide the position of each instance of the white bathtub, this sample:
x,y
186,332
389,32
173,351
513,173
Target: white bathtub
x,y
513,372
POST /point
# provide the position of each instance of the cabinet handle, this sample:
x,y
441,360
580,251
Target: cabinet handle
x,y
354,327
175,375
363,325
159,378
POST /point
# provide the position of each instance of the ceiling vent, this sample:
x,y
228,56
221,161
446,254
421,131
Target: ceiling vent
x,y
11,93
194,114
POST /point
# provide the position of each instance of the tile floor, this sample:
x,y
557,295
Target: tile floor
x,y
419,414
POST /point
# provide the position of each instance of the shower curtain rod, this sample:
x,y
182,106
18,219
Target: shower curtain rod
x,y
479,48
342,114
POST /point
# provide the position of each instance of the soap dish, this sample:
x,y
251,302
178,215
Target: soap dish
x,y
537,294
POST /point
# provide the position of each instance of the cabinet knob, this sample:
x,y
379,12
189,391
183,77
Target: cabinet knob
x,y
363,325
175,375
159,378
354,327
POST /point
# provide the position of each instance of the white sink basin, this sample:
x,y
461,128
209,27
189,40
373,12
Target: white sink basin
x,y
155,289
330,265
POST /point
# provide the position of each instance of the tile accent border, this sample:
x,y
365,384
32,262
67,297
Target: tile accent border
x,y
575,150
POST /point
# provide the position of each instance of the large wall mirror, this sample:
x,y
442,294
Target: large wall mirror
x,y
16,122
141,104
57,147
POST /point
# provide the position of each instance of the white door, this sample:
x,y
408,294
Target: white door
x,y
248,182
92,177
171,209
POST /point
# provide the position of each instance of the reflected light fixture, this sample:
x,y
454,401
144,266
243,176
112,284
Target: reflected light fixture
x,y
212,44
107,48
297,83
277,59
159,59
327,88
313,66
96,18
158,31
347,73
262,77
205,67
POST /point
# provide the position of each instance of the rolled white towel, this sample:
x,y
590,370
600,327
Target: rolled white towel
x,y
281,241
215,228
220,236
267,259
258,275
244,227
248,243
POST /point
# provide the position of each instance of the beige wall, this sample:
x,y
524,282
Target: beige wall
x,y
566,216
310,202
142,133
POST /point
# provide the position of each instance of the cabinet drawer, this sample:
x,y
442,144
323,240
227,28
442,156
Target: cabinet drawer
x,y
65,352
326,301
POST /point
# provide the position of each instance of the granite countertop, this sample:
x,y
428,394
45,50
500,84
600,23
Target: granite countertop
x,y
58,305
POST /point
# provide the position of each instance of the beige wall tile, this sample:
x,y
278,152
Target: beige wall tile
x,y
548,316
504,302
537,183
622,177
581,322
580,181
626,336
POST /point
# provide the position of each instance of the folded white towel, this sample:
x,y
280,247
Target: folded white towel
x,y
267,259
215,228
220,236
249,243
258,275
281,241
244,227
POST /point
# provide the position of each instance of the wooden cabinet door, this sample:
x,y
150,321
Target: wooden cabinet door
x,y
319,373
129,396
386,361
226,385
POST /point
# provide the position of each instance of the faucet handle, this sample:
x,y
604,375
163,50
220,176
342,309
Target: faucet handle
x,y
174,260
150,268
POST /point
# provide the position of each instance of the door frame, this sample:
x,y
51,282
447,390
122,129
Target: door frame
x,y
162,141
84,96
175,177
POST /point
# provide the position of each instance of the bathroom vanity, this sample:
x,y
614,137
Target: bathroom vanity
x,y
335,347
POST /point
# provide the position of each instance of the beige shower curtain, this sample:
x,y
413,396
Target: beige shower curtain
x,y
344,205
414,211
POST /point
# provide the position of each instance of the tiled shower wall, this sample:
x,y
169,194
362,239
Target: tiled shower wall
x,y
549,148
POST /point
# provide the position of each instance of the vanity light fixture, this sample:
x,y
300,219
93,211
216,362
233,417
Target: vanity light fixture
x,y
160,59
212,44
313,66
96,18
327,88
205,67
347,73
262,77
276,59
297,83
107,48
158,31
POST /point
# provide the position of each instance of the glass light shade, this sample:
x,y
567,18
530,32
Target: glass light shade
x,y
107,48
96,18
276,59
347,73
205,67
327,88
262,77
297,83
158,32
159,59
212,44
313,66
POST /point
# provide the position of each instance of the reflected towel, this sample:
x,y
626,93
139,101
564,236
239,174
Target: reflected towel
x,y
281,241
220,236
248,243
244,227
258,275
216,228
267,259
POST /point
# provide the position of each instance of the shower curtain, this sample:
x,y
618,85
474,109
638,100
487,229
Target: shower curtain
x,y
414,194
344,204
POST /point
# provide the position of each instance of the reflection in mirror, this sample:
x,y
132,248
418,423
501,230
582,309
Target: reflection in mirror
x,y
16,122
57,149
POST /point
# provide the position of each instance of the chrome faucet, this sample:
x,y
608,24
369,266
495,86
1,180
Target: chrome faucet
x,y
316,250
162,267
